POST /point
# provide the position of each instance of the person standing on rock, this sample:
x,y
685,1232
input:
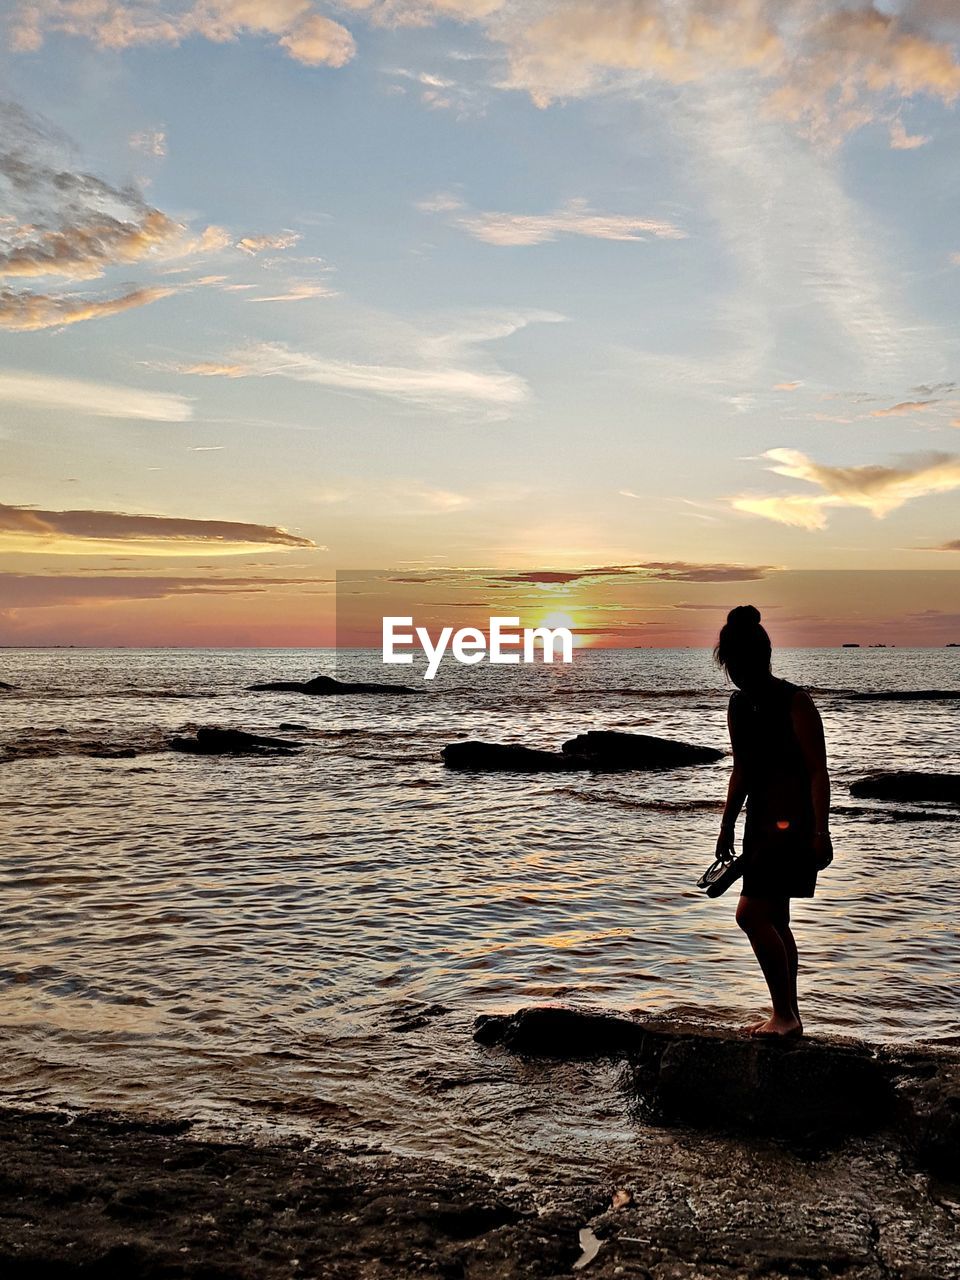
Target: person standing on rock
x,y
780,769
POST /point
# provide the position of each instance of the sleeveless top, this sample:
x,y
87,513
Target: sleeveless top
x,y
767,747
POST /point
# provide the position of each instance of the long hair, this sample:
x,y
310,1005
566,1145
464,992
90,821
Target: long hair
x,y
743,646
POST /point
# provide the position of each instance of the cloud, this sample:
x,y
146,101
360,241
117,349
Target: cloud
x,y
99,532
65,223
152,142
657,570
680,571
317,41
215,369
953,545
304,34
39,591
787,386
905,407
900,140
257,244
421,385
829,66
444,371
98,399
824,68
27,311
816,294
573,219
797,510
299,293
439,93
418,13
877,489
926,389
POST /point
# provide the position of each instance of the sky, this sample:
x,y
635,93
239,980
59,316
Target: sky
x,y
648,306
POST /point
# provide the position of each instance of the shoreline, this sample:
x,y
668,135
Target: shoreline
x,y
848,1193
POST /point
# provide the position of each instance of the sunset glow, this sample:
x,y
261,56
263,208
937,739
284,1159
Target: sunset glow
x,y
666,314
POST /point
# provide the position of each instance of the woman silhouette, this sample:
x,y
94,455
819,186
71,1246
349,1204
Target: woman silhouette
x,y
780,769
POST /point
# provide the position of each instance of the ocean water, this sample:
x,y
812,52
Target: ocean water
x,y
306,941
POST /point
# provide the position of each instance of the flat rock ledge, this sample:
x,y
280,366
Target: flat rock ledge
x,y
600,751
822,1089
909,787
326,686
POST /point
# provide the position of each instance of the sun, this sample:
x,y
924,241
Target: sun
x,y
567,620
557,620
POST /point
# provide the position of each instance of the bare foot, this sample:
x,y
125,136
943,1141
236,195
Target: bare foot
x,y
779,1028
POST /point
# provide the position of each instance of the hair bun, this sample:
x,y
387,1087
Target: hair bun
x,y
744,615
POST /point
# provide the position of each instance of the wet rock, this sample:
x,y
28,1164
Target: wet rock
x,y
84,1197
803,1088
214,742
931,1092
485,756
550,1031
6,688
599,751
904,786
294,728
608,749
114,753
323,686
821,1089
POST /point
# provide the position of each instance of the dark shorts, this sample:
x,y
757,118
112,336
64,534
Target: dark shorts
x,y
778,862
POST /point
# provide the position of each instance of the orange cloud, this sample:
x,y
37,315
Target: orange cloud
x,y
83,252
99,532
29,311
825,70
877,489
905,407
65,223
257,244
307,36
215,369
45,591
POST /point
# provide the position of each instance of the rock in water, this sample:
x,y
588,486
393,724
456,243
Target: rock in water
x,y
323,686
910,787
551,1031
602,752
608,749
216,742
6,688
813,1088
497,756
719,1079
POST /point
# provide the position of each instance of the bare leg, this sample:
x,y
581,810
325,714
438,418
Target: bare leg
x,y
759,919
790,945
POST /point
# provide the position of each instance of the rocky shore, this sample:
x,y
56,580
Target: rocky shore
x,y
821,1158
